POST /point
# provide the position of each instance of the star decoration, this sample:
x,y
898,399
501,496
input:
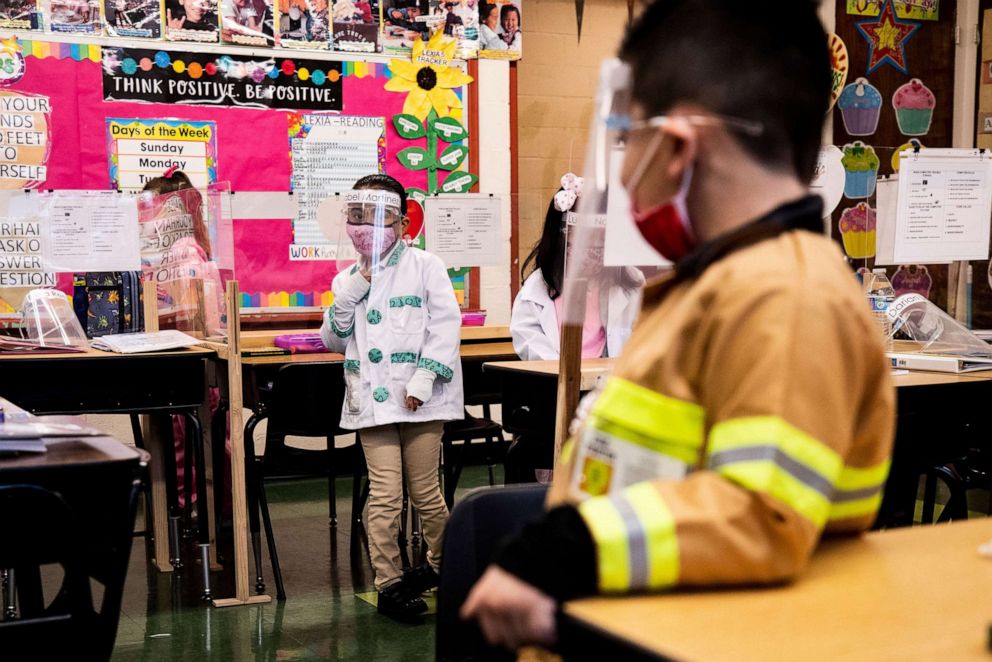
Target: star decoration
x,y
887,38
10,44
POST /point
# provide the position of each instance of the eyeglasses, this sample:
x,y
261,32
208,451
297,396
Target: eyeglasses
x,y
624,125
358,215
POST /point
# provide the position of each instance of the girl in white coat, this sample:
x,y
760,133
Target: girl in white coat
x,y
400,332
537,310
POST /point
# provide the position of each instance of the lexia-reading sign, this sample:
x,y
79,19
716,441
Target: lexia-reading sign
x,y
131,74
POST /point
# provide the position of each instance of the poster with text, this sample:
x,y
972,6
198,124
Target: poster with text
x,y
458,19
356,25
20,15
21,256
464,230
192,20
402,22
916,10
501,30
133,74
133,19
25,121
248,22
304,24
329,153
141,150
74,16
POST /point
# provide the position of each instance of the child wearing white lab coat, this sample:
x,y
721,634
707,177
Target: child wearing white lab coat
x,y
401,337
536,319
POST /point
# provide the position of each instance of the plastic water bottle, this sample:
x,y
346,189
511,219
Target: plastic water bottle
x,y
880,297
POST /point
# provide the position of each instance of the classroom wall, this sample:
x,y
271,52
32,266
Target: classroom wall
x,y
556,86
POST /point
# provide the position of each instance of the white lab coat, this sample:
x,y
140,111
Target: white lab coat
x,y
407,319
534,322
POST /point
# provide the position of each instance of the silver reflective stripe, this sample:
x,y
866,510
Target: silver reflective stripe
x,y
843,496
636,542
799,471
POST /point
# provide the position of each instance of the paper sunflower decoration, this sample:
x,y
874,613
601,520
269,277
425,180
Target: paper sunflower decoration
x,y
429,79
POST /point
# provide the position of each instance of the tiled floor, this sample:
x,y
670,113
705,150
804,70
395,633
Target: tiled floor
x,y
322,619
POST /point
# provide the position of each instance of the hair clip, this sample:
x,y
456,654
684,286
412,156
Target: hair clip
x,y
170,172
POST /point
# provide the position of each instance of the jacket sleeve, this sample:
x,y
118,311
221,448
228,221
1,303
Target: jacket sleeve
x,y
798,408
442,345
529,340
349,288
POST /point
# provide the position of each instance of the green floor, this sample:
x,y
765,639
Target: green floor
x,y
322,619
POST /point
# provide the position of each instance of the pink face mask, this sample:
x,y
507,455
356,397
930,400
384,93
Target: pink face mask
x,y
364,238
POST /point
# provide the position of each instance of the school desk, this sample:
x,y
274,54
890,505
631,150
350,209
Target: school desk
x,y
98,477
97,382
940,416
918,593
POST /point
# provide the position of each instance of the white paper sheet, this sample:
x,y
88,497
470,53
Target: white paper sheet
x,y
90,231
886,201
945,207
464,230
625,247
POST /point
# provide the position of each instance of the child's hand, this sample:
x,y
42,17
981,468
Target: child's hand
x,y
412,403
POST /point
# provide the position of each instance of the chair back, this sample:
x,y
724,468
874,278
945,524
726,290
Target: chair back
x,y
307,400
476,527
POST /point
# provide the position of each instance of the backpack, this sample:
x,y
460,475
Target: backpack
x,y
108,302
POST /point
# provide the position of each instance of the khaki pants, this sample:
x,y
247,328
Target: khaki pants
x,y
392,452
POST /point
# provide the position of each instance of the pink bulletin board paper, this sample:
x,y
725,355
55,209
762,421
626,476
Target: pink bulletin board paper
x,y
251,142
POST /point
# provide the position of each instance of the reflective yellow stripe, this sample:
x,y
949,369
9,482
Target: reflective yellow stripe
x,y
659,443
774,431
651,414
852,478
612,551
856,509
659,534
767,477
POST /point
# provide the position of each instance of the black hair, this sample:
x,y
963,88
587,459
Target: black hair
x,y
766,61
549,253
176,181
384,183
507,8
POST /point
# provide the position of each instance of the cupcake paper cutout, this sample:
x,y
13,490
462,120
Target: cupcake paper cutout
x,y
914,104
860,107
857,229
860,170
914,278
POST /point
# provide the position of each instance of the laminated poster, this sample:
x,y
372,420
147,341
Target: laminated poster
x,y
304,24
133,19
141,150
356,25
75,16
500,29
917,10
192,20
402,22
20,15
248,22
458,19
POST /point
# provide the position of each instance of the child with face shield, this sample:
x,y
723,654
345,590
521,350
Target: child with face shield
x,y
612,301
396,319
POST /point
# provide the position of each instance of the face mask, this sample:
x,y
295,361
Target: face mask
x,y
363,237
666,227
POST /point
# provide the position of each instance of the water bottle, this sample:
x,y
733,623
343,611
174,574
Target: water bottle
x,y
880,297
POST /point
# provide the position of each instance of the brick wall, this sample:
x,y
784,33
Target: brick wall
x,y
556,85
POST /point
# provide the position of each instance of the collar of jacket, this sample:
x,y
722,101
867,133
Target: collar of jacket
x,y
806,213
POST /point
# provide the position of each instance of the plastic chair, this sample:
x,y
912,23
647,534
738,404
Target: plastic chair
x,y
305,400
39,528
480,522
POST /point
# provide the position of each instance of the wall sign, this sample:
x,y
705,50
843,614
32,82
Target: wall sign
x,y
887,38
140,150
227,80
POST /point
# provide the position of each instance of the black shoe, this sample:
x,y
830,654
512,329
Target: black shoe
x,y
399,603
421,579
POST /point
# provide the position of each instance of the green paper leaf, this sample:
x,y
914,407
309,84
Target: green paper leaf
x,y
452,157
408,126
417,195
449,129
415,158
458,182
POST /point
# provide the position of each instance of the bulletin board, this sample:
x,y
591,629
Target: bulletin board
x,y
250,145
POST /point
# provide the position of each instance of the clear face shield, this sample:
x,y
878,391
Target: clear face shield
x,y
367,225
186,239
933,331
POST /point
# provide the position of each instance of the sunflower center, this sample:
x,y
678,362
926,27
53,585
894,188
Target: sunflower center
x,y
426,79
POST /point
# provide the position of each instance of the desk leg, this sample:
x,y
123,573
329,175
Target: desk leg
x,y
158,441
208,462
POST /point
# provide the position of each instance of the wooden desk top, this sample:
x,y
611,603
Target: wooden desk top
x,y
592,369
914,593
99,354
266,338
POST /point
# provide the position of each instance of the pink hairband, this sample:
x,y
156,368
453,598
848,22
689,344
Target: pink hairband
x,y
170,172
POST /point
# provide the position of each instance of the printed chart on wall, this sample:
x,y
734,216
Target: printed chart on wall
x,y
329,153
24,139
141,150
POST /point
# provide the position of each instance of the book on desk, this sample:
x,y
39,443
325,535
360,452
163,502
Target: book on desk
x,y
939,362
